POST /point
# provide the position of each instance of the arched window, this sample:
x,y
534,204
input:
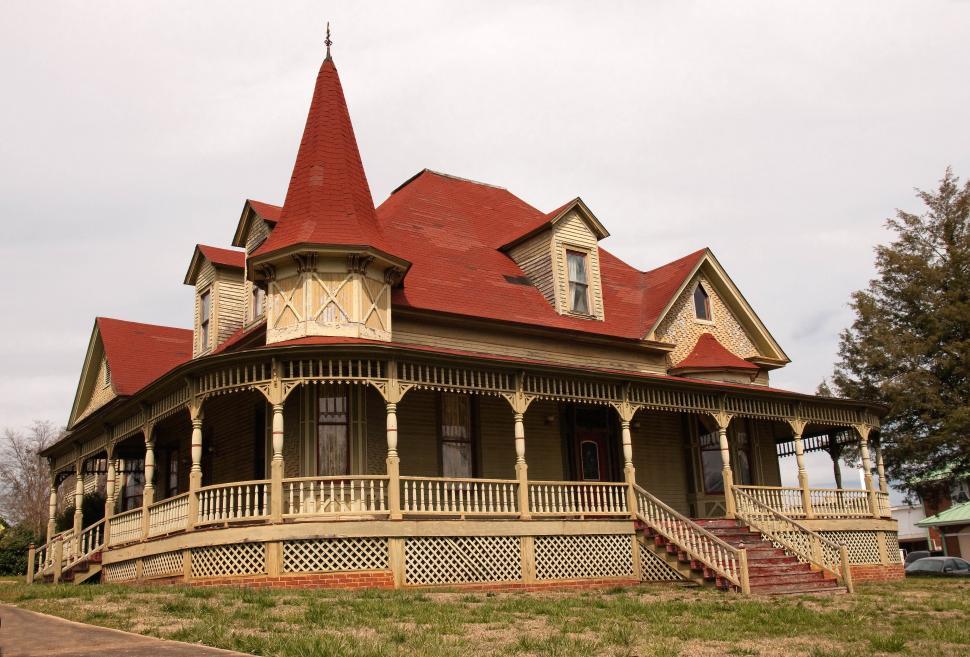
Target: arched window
x,y
702,303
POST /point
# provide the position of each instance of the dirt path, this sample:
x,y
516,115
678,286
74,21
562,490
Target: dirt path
x,y
26,633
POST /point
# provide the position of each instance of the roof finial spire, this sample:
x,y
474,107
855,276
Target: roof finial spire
x,y
327,42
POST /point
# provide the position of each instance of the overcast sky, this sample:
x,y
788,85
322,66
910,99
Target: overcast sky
x,y
780,134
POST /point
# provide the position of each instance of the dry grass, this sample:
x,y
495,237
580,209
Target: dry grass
x,y
905,618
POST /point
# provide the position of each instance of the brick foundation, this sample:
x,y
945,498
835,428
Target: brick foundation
x,y
540,585
384,579
876,572
359,579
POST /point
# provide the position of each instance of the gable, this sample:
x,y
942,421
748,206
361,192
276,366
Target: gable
x,y
733,322
255,223
95,388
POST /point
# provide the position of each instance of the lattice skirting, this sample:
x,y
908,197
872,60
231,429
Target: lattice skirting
x,y
228,560
654,569
124,571
461,559
164,564
575,557
335,554
863,546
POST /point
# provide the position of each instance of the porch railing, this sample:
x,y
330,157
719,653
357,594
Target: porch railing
x,y
826,502
169,515
335,496
556,498
794,538
464,497
725,560
125,527
235,502
90,541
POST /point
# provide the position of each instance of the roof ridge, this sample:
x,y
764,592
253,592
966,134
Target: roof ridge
x,y
129,321
444,175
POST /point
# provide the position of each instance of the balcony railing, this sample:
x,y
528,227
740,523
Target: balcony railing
x,y
558,498
235,502
825,502
125,527
335,496
463,497
169,515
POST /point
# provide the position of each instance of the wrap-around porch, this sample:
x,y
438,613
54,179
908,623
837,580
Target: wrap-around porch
x,y
321,449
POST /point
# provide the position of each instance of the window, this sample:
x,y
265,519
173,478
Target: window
x,y
333,439
107,374
456,436
134,483
259,297
205,310
741,454
172,482
711,463
578,282
702,303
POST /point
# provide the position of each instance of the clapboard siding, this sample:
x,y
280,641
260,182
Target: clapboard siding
x,y
659,456
534,257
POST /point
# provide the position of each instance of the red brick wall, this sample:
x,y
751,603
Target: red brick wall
x,y
876,572
361,579
383,579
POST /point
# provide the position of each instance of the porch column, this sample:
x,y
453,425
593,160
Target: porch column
x,y
798,426
626,412
78,498
521,467
723,420
195,472
277,466
863,431
122,476
52,509
148,493
881,469
393,463
109,492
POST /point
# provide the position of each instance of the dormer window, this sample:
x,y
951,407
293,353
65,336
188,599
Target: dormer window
x,y
259,296
702,304
578,282
205,312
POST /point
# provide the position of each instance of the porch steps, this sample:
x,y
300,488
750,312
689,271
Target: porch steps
x,y
690,570
770,570
80,572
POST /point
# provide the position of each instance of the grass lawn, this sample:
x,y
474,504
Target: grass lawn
x,y
924,617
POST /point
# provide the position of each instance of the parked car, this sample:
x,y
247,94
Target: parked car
x,y
939,566
921,554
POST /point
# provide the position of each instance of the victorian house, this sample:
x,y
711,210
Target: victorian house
x,y
452,388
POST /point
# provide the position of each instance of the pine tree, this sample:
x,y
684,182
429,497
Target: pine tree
x,y
909,345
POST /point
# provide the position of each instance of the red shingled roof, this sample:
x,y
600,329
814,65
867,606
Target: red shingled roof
x,y
140,353
268,212
451,229
223,257
328,200
709,354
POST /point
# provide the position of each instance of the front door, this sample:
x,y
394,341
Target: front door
x,y
591,457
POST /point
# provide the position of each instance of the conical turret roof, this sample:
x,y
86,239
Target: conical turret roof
x,y
328,201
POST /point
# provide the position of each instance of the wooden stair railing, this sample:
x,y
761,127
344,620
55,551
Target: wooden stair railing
x,y
795,538
700,545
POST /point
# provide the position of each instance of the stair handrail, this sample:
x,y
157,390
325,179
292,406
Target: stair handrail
x,y
722,558
794,537
91,541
